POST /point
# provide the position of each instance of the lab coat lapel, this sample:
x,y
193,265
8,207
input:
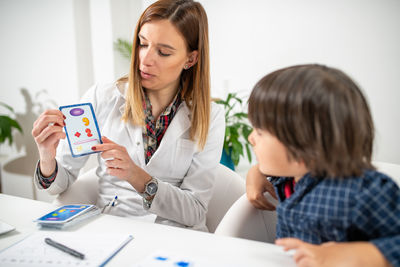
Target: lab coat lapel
x,y
179,125
135,134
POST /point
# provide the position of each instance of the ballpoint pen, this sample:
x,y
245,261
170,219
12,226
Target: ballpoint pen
x,y
110,203
114,202
64,248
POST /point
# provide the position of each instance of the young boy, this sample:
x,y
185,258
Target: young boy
x,y
313,134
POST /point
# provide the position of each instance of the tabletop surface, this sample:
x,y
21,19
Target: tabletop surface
x,y
148,237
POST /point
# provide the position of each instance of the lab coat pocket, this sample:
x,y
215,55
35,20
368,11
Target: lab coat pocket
x,y
183,157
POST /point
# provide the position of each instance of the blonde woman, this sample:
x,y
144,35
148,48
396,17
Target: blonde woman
x,y
162,136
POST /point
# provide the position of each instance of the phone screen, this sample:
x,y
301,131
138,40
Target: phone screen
x,y
64,213
81,128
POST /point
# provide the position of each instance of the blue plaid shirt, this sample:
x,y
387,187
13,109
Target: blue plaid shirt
x,y
363,208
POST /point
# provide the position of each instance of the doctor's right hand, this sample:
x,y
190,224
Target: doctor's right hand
x,y
256,185
47,132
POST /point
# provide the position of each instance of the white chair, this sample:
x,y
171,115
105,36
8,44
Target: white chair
x,y
84,190
390,169
229,186
244,221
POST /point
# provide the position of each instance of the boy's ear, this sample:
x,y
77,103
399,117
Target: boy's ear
x,y
299,162
301,165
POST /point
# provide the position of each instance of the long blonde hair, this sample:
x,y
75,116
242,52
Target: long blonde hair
x,y
190,19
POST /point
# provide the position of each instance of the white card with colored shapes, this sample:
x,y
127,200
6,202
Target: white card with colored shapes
x,y
65,213
81,128
170,259
165,259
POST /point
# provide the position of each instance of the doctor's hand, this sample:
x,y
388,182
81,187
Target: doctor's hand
x,y
120,164
332,254
47,131
256,185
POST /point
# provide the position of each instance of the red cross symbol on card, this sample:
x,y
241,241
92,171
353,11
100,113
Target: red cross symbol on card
x,y
77,134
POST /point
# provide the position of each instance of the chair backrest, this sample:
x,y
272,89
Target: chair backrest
x,y
390,169
84,190
229,186
243,220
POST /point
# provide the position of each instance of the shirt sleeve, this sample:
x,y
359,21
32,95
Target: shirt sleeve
x,y
377,214
390,248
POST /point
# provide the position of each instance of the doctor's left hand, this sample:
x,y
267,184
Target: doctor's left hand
x,y
120,164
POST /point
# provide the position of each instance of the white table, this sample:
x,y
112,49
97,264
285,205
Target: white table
x,y
148,237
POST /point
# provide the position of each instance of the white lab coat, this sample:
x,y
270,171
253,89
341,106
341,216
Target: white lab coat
x,y
185,174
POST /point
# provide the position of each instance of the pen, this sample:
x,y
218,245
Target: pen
x,y
114,201
110,203
64,248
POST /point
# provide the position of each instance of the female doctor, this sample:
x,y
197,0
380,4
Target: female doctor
x,y
162,136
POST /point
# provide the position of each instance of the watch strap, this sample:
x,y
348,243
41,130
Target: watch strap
x,y
147,203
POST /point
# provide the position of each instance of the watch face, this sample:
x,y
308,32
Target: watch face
x,y
151,188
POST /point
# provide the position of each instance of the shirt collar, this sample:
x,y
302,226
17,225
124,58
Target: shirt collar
x,y
172,107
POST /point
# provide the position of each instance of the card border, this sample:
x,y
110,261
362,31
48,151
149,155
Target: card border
x,y
41,221
95,122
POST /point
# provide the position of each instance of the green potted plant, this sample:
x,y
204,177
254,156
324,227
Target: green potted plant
x,y
7,124
236,132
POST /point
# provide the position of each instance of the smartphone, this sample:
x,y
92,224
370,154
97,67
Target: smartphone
x,y
81,128
64,214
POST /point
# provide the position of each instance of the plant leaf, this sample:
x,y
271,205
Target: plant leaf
x,y
7,107
5,129
248,152
246,132
6,126
240,115
124,47
15,124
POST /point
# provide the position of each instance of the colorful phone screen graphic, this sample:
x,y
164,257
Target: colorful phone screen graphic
x,y
64,213
81,128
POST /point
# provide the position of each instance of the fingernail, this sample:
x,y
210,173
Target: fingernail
x,y
64,123
64,117
93,148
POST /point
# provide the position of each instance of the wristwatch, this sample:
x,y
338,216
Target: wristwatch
x,y
150,189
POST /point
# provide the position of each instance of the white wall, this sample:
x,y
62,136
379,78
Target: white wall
x,y
37,52
64,46
252,38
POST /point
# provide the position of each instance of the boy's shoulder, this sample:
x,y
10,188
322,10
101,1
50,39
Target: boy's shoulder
x,y
376,183
374,178
370,184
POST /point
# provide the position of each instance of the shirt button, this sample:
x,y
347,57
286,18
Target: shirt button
x,y
137,143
